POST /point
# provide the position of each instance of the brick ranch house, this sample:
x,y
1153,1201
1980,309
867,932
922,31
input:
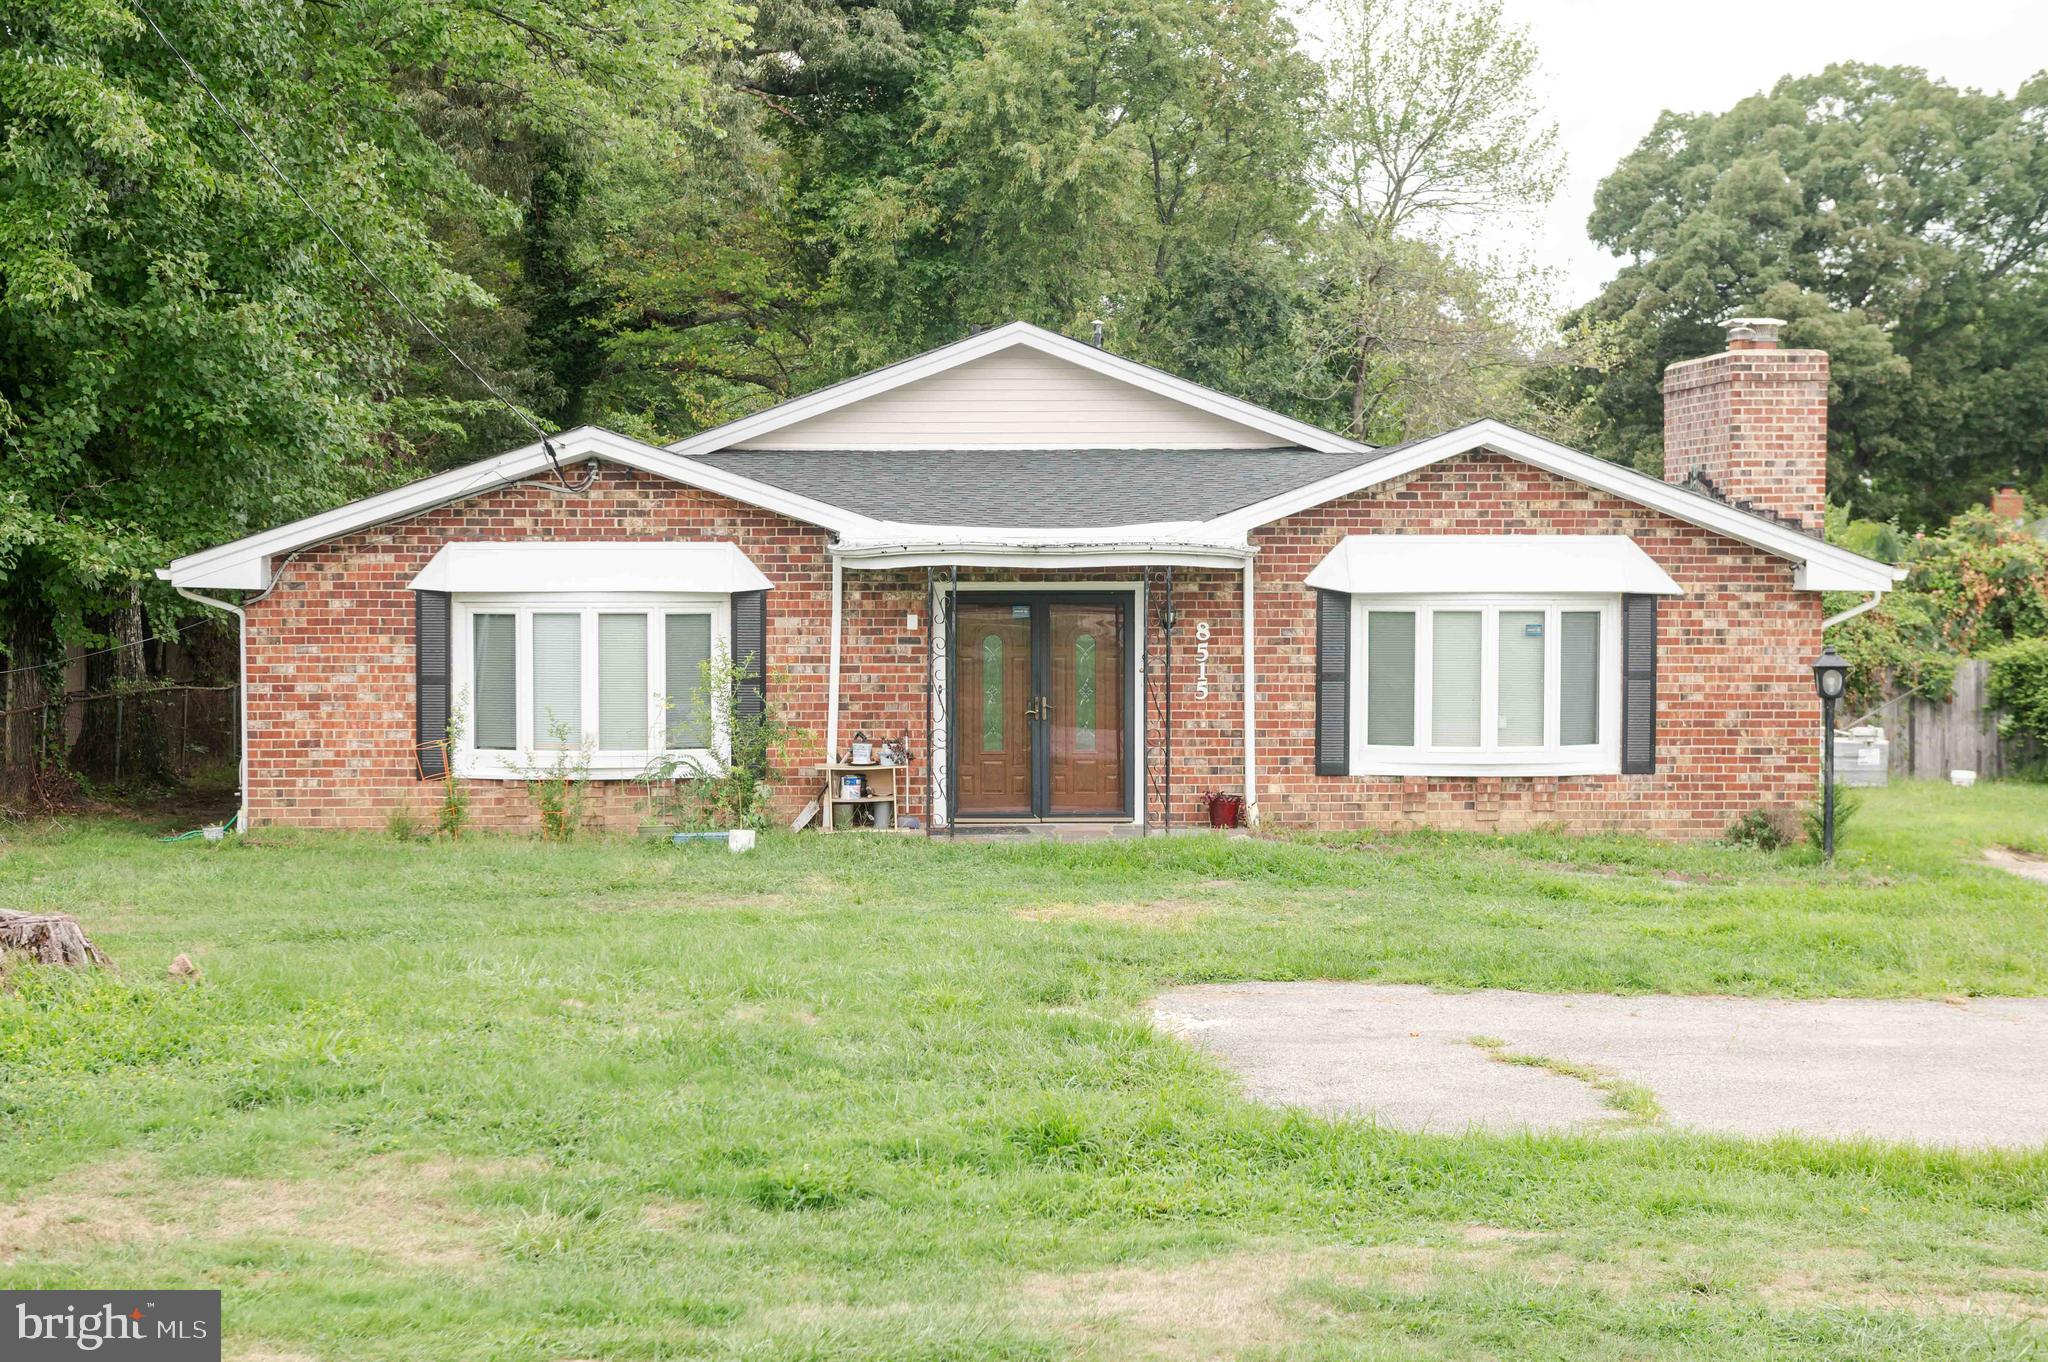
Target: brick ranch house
x,y
1077,588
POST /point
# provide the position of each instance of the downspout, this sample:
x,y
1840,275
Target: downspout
x,y
1852,612
1251,683
832,672
241,699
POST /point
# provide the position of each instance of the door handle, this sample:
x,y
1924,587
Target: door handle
x,y
1040,708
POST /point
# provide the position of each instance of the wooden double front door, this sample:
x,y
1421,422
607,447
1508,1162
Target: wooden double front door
x,y
1039,716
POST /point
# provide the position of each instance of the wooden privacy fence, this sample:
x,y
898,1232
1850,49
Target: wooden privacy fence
x,y
1930,738
195,726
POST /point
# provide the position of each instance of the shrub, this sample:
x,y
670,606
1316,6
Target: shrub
x,y
402,825
1765,829
705,795
2018,684
1847,802
557,784
453,814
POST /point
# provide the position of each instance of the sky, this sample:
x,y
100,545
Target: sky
x,y
1611,66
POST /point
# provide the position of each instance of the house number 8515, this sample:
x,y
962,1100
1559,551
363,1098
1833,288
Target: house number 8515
x,y
1202,660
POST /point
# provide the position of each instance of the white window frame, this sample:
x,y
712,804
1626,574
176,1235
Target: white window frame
x,y
516,762
1553,758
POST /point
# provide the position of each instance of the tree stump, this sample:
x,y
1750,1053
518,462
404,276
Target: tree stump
x,y
48,939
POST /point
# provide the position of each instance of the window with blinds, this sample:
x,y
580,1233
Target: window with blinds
x,y
1390,678
1496,684
619,678
687,639
557,680
496,690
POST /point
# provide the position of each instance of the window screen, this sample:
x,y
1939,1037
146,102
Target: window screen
x,y
688,649
495,689
1578,676
1390,678
1454,691
557,680
622,691
1521,678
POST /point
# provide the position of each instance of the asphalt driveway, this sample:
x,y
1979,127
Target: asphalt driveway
x,y
1973,1072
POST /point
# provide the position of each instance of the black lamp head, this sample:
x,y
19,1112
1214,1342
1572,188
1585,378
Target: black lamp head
x,y
1830,674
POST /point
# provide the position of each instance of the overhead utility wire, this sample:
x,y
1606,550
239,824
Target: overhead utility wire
x,y
277,172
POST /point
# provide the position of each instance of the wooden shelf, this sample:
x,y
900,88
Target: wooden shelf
x,y
886,784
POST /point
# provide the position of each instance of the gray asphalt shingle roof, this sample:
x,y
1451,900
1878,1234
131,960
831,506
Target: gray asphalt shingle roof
x,y
1045,488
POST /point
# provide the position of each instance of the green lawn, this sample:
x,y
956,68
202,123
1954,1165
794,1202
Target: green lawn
x,y
878,1097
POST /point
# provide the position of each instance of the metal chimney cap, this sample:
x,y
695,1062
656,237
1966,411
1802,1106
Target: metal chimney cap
x,y
1754,330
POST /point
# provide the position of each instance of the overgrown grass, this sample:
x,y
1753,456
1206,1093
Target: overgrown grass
x,y
878,1097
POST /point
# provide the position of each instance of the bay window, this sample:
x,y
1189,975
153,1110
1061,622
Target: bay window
x,y
1504,684
616,675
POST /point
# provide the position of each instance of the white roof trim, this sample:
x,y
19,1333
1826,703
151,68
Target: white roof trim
x,y
1822,566
945,551
715,568
1539,564
246,563
1017,334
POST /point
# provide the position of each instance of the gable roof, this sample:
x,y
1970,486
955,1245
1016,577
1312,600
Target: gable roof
x,y
1284,430
246,563
1049,488
1111,501
1822,566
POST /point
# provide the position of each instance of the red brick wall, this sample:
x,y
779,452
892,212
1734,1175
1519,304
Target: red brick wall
x,y
331,715
1755,421
882,673
331,665
1737,721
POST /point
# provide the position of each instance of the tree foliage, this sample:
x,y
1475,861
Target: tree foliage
x,y
1979,584
1894,221
186,353
1432,126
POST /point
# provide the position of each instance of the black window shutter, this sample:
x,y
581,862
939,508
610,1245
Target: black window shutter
x,y
1333,683
750,651
1638,685
430,625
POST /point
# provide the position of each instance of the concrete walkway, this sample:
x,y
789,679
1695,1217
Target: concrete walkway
x,y
1971,1073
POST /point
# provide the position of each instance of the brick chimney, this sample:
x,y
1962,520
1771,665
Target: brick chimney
x,y
2007,504
1750,424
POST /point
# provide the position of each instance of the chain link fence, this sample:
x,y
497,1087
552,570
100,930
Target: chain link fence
x,y
174,730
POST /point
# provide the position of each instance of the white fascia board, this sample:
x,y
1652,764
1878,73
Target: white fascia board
x,y
1013,335
1027,536
245,562
1826,566
878,557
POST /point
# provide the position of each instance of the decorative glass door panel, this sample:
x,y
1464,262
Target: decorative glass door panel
x,y
1088,689
992,761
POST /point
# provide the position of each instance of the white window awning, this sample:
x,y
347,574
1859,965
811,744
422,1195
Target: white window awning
x,y
1494,564
718,569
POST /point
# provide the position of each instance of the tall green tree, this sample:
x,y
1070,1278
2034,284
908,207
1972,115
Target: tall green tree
x,y
1142,162
185,354
1433,125
1897,222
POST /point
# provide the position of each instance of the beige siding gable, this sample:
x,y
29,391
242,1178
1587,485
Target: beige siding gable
x,y
1017,398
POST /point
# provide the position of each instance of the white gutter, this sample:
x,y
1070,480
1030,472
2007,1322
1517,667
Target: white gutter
x,y
1852,612
1251,690
875,556
241,700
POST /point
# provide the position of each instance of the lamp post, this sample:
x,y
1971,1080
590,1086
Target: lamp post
x,y
1830,678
